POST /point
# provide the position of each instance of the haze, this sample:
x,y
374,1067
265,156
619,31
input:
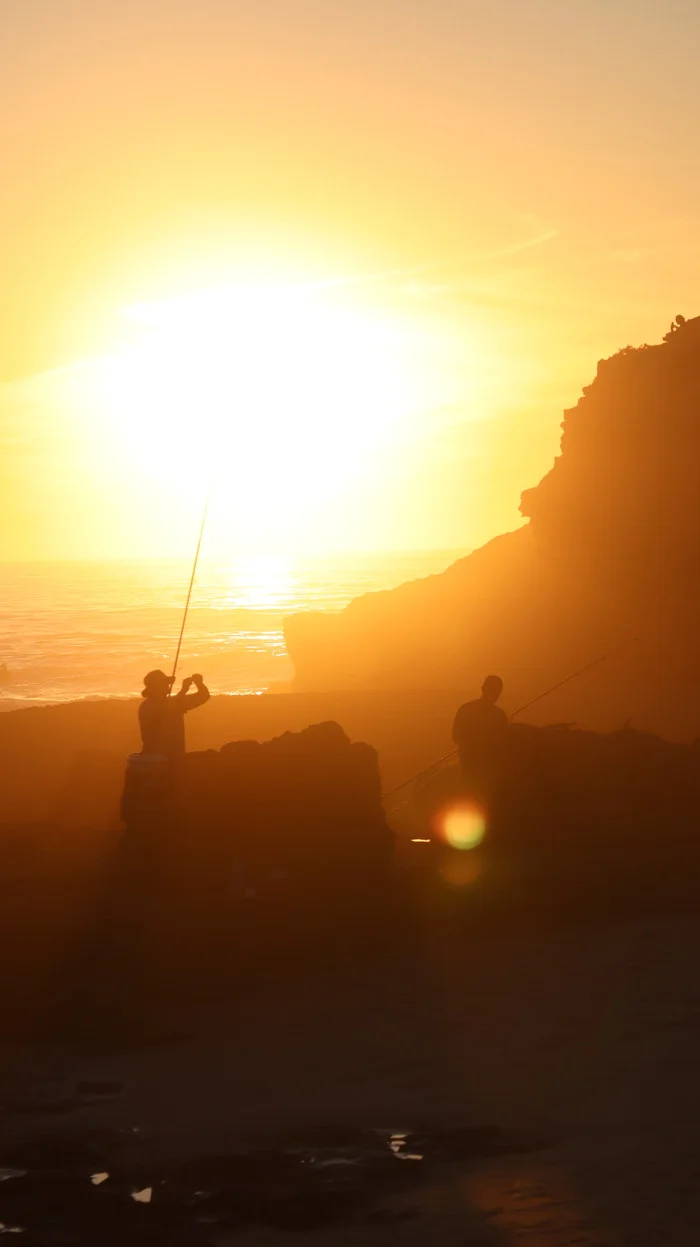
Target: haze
x,y
473,202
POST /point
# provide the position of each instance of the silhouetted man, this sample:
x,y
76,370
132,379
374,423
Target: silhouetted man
x,y
479,732
162,717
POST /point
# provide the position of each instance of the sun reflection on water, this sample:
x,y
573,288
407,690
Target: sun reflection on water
x,y
262,583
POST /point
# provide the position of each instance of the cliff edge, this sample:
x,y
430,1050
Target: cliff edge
x,y
608,559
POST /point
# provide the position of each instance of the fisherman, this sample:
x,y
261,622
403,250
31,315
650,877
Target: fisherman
x,y
162,717
152,776
479,732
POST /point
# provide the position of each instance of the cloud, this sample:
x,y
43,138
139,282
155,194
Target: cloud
x,y
409,276
526,244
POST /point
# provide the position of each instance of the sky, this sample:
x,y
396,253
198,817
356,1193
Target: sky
x,y
341,265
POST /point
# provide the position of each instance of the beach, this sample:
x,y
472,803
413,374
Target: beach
x,y
570,1037
581,1040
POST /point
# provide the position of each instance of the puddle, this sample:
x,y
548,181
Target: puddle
x,y
301,1180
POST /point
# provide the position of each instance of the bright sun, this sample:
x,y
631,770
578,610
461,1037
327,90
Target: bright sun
x,y
284,394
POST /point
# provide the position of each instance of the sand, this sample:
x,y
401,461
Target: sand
x,y
585,1038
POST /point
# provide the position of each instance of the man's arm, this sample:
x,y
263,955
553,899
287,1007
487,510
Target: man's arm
x,y
200,698
180,699
457,732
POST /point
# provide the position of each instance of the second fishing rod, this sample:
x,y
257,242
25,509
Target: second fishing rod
x,y
526,706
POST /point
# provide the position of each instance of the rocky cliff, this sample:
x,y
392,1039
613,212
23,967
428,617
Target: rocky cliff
x,y
610,552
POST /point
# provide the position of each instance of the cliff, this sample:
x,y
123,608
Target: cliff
x,y
610,552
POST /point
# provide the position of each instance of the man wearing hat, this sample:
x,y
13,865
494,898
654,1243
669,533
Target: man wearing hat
x,y
162,717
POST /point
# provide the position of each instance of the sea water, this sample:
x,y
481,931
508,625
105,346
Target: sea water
x,y
75,630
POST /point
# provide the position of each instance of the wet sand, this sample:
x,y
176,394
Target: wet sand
x,y
584,1038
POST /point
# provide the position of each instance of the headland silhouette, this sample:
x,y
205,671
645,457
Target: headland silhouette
x,y
606,558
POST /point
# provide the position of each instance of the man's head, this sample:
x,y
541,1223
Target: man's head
x,y
492,688
157,684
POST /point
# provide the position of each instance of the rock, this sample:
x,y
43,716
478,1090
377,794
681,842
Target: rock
x,y
609,552
299,811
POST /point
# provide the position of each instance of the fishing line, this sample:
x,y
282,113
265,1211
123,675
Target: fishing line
x,y
526,706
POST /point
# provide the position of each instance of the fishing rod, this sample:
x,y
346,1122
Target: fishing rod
x,y
574,674
526,706
189,591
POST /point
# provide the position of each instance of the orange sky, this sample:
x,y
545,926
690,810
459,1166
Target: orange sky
x,y
511,187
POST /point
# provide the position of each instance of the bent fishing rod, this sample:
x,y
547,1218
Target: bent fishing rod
x,y
191,587
526,706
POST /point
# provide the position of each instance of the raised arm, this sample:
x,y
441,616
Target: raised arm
x,y
193,700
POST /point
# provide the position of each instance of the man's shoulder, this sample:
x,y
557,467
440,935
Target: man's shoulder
x,y
469,711
471,707
480,713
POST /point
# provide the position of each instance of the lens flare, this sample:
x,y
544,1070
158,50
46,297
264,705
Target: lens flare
x,y
462,825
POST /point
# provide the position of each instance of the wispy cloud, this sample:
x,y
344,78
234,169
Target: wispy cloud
x,y
447,266
526,244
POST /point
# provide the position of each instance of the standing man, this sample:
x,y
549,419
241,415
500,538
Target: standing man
x,y
479,732
152,775
162,717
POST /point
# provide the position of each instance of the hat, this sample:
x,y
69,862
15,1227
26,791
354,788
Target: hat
x,y
156,680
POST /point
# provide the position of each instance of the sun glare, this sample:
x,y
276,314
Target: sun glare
x,y
283,394
262,583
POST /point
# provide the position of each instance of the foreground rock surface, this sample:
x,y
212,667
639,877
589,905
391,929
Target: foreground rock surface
x,y
584,1039
559,1049
304,808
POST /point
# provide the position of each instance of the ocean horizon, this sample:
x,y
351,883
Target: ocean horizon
x,y
75,630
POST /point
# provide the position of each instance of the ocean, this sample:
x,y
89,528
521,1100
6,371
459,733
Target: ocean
x,y
86,630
